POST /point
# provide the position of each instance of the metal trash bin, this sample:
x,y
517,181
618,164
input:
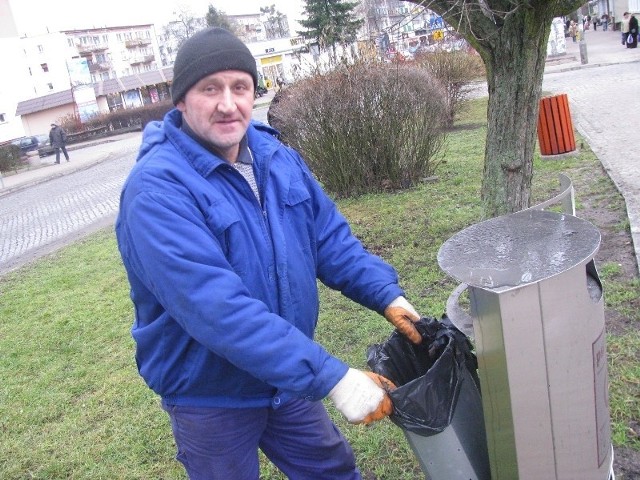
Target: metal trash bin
x,y
555,127
437,402
537,311
460,450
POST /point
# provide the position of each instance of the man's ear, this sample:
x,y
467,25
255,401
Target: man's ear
x,y
181,106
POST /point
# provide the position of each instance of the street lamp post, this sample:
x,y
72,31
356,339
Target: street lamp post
x,y
583,43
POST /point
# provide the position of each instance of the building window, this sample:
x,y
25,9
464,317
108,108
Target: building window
x,y
70,42
45,67
40,49
50,85
2,118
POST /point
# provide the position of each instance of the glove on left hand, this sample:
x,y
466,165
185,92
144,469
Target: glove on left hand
x,y
386,407
361,396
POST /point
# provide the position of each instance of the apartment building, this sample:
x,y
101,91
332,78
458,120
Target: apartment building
x,y
249,27
109,52
113,52
87,71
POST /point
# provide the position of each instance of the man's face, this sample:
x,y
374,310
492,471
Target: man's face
x,y
218,109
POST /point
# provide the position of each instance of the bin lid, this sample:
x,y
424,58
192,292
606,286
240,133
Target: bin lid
x,y
518,249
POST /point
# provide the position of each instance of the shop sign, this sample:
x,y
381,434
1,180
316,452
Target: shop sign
x,y
271,60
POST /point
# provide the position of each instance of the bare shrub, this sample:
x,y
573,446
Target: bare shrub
x,y
9,157
366,127
456,70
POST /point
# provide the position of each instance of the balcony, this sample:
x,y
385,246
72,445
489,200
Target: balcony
x,y
99,67
138,59
137,42
85,49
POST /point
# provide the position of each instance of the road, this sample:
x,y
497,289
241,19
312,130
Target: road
x,y
39,219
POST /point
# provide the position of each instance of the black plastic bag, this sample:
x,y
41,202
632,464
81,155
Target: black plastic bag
x,y
427,376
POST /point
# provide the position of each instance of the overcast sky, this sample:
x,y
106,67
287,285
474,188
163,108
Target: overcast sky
x,y
35,16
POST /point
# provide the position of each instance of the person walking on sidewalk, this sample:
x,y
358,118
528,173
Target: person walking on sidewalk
x,y
624,27
573,30
632,36
224,233
58,140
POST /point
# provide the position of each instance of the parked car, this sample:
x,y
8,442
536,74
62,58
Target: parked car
x,y
27,144
39,143
45,147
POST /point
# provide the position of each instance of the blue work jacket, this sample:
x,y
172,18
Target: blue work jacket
x,y
223,285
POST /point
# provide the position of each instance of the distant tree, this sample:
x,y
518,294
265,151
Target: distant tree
x,y
330,23
275,23
218,18
183,27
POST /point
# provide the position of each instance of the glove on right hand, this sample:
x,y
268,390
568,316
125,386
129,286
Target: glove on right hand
x,y
361,397
402,315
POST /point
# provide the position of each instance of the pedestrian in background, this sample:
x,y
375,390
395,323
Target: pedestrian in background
x,y
624,27
632,37
224,233
58,140
573,30
605,22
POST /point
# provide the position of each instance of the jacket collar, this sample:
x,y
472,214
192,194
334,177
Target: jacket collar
x,y
261,140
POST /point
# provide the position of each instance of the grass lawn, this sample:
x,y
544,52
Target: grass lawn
x,y
72,405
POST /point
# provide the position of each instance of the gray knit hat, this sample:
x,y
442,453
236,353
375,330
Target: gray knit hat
x,y
209,51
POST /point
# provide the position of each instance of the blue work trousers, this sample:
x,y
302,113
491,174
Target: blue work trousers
x,y
298,437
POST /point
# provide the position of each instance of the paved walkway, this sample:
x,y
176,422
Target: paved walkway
x,y
612,136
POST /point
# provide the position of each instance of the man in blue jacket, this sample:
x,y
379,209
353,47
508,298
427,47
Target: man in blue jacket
x,y
223,232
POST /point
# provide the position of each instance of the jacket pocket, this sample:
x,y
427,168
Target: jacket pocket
x,y
225,225
298,215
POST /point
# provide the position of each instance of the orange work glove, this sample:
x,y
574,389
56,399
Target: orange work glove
x,y
386,407
402,315
362,397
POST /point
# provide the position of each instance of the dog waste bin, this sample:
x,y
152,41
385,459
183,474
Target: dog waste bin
x,y
537,311
437,400
555,128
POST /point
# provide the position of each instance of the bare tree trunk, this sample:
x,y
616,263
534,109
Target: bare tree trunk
x,y
514,60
